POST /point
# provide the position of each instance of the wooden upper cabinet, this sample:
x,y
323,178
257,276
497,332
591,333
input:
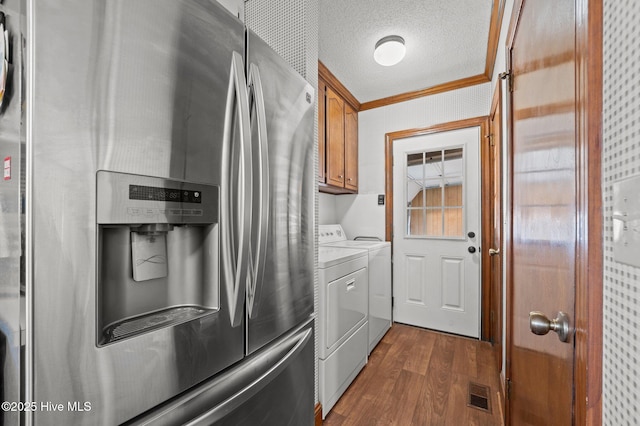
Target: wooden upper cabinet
x,y
337,135
350,148
335,138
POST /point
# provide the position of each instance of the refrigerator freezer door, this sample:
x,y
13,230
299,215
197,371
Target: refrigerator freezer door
x,y
137,87
272,387
281,294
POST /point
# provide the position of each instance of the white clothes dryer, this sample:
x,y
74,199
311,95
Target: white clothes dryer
x,y
380,281
343,320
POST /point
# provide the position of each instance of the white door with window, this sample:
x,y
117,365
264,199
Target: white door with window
x,y
436,231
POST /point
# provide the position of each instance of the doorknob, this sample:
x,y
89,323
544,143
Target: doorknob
x,y
541,325
494,252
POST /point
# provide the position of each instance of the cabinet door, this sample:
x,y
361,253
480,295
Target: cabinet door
x,y
321,131
334,138
351,148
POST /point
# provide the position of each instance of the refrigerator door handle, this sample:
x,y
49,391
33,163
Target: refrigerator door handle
x,y
262,209
236,400
235,223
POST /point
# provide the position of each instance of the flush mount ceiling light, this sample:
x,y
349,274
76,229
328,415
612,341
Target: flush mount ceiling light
x,y
389,50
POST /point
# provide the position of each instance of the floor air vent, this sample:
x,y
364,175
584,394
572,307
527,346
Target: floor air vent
x,y
479,397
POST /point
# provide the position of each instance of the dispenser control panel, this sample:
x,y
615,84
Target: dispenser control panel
x,y
124,198
152,193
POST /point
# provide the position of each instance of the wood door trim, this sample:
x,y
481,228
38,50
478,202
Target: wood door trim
x,y
589,269
513,23
496,109
402,134
588,302
485,221
495,25
508,218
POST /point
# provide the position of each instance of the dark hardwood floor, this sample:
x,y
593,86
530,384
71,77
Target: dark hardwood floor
x,y
420,377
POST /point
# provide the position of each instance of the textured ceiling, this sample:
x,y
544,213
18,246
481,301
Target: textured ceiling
x,y
446,40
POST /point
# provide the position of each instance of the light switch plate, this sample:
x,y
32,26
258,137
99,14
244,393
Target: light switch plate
x,y
626,221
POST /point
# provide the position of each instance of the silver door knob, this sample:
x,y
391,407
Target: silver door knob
x,y
541,325
494,252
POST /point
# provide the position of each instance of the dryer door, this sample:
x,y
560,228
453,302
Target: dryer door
x,y
346,308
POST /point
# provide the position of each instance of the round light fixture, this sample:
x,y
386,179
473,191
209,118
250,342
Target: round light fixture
x,y
389,50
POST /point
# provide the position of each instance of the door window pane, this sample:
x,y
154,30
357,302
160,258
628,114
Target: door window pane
x,y
453,222
435,193
415,221
415,194
434,223
453,165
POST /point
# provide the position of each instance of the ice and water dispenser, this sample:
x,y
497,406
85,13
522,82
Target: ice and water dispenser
x,y
158,253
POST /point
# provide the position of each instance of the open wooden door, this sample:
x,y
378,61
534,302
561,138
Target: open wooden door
x,y
555,220
543,183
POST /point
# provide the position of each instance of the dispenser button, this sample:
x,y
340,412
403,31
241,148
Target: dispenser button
x,y
175,212
150,212
133,211
197,212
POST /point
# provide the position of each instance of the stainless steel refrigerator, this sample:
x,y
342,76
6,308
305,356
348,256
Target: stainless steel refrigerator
x,y
156,236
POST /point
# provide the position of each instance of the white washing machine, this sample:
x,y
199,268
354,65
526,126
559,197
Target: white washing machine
x,y
379,255
343,325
